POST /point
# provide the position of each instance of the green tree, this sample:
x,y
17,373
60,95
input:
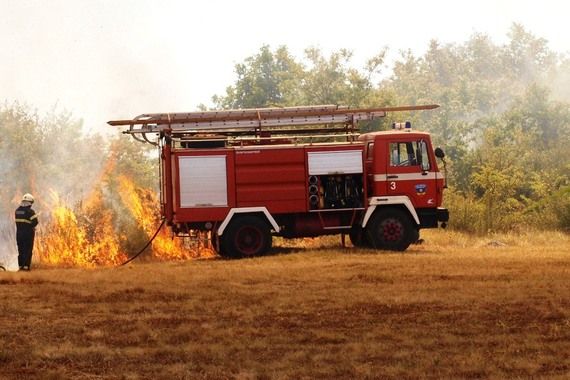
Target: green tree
x,y
278,79
332,80
263,80
20,131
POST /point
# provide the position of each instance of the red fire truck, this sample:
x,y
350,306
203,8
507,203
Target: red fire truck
x,y
243,176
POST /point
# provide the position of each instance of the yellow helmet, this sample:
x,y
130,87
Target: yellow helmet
x,y
28,198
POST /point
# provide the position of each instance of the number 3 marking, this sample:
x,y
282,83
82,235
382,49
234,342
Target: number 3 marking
x,y
392,185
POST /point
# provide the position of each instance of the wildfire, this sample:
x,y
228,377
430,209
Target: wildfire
x,y
142,204
67,241
88,236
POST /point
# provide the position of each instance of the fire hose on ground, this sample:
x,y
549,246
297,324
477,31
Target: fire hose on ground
x,y
146,246
2,268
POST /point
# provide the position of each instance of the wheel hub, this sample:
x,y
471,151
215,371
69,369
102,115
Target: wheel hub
x,y
392,230
249,240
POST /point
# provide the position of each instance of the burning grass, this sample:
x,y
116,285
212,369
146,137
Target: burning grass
x,y
67,242
102,231
455,307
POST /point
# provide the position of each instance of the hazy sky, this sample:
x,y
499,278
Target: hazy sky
x,y
119,58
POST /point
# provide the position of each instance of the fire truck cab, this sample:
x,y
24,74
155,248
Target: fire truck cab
x,y
404,181
243,176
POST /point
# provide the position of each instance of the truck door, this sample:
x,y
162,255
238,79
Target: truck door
x,y
410,173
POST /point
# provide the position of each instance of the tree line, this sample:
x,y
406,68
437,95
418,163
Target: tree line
x,y
504,119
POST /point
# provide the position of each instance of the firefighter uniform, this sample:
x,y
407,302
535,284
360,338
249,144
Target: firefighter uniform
x,y
26,222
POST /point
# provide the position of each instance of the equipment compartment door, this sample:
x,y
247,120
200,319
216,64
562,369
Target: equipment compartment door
x,y
335,179
203,181
410,173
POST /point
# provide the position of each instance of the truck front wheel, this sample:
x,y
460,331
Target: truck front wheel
x,y
391,229
246,236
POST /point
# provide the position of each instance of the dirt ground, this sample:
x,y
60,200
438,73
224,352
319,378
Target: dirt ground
x,y
454,307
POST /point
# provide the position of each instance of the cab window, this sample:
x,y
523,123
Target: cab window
x,y
404,154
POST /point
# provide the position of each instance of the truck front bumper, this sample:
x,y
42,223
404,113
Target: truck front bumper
x,y
442,216
431,217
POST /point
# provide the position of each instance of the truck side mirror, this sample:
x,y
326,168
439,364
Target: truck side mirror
x,y
439,153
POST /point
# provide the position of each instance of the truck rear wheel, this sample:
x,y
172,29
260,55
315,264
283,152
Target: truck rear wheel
x,y
391,229
246,236
217,245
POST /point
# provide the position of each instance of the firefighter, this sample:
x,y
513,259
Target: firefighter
x,y
26,222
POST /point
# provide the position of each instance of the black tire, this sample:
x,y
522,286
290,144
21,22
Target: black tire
x,y
246,236
358,237
391,229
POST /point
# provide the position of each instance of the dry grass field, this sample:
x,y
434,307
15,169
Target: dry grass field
x,y
455,307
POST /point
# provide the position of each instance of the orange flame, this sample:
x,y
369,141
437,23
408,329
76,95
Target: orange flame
x,y
87,235
68,242
143,205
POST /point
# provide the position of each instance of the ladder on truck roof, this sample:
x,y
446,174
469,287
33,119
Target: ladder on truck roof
x,y
256,121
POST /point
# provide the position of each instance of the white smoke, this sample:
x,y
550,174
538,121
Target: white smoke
x,y
8,249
